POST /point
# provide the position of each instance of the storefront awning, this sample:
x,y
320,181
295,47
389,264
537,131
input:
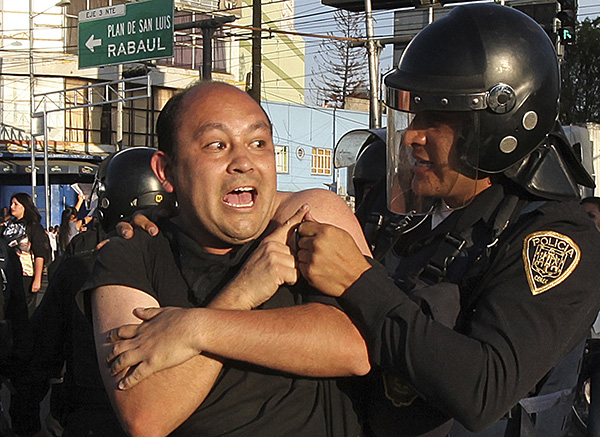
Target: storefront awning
x,y
55,166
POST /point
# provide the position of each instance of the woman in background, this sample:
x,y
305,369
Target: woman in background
x,y
26,235
5,215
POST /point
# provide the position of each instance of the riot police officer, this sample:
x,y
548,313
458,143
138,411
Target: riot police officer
x,y
493,289
124,183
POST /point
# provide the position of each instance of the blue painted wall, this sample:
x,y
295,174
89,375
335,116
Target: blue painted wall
x,y
299,126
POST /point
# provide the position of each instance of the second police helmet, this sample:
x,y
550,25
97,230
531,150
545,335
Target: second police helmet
x,y
128,185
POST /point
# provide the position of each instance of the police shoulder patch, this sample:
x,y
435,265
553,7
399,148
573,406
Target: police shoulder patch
x,y
549,259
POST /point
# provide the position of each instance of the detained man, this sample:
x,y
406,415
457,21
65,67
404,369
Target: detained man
x,y
184,369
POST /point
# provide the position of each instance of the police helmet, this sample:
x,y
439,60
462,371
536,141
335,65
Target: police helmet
x,y
494,64
98,185
129,184
369,168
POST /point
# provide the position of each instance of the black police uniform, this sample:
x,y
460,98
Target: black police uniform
x,y
527,297
15,333
519,264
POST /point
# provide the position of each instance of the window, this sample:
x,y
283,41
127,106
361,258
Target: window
x,y
281,159
187,51
98,124
321,161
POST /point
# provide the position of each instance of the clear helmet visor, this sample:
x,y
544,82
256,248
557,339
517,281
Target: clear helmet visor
x,y
349,146
425,170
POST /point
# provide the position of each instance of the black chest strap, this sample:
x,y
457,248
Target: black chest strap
x,y
384,230
455,241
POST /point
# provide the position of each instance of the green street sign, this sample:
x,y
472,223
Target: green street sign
x,y
123,33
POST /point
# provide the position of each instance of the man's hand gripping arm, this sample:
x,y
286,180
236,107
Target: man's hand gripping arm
x,y
312,339
160,404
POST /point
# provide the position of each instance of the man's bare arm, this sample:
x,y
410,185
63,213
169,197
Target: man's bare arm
x,y
164,400
161,403
313,339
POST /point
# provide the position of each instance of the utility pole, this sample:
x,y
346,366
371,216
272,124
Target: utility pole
x,y
121,90
373,51
207,34
256,50
32,105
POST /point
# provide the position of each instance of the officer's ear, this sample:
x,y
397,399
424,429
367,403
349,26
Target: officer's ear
x,y
163,166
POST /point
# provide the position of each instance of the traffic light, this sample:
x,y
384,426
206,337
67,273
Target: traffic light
x,y
567,15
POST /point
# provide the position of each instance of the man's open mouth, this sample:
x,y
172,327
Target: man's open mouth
x,y
242,197
422,163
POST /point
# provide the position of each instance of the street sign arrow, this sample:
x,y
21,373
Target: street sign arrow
x,y
93,43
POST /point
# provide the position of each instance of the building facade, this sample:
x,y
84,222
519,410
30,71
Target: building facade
x,y
82,121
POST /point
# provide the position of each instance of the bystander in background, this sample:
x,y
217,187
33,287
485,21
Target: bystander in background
x,y
70,224
25,234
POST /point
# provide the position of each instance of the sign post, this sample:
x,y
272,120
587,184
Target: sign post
x,y
124,33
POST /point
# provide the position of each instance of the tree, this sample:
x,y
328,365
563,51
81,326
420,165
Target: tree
x,y
580,69
342,71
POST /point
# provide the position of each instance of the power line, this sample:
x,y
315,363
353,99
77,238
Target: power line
x,y
288,32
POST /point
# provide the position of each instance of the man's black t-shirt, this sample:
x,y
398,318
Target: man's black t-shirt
x,y
246,399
